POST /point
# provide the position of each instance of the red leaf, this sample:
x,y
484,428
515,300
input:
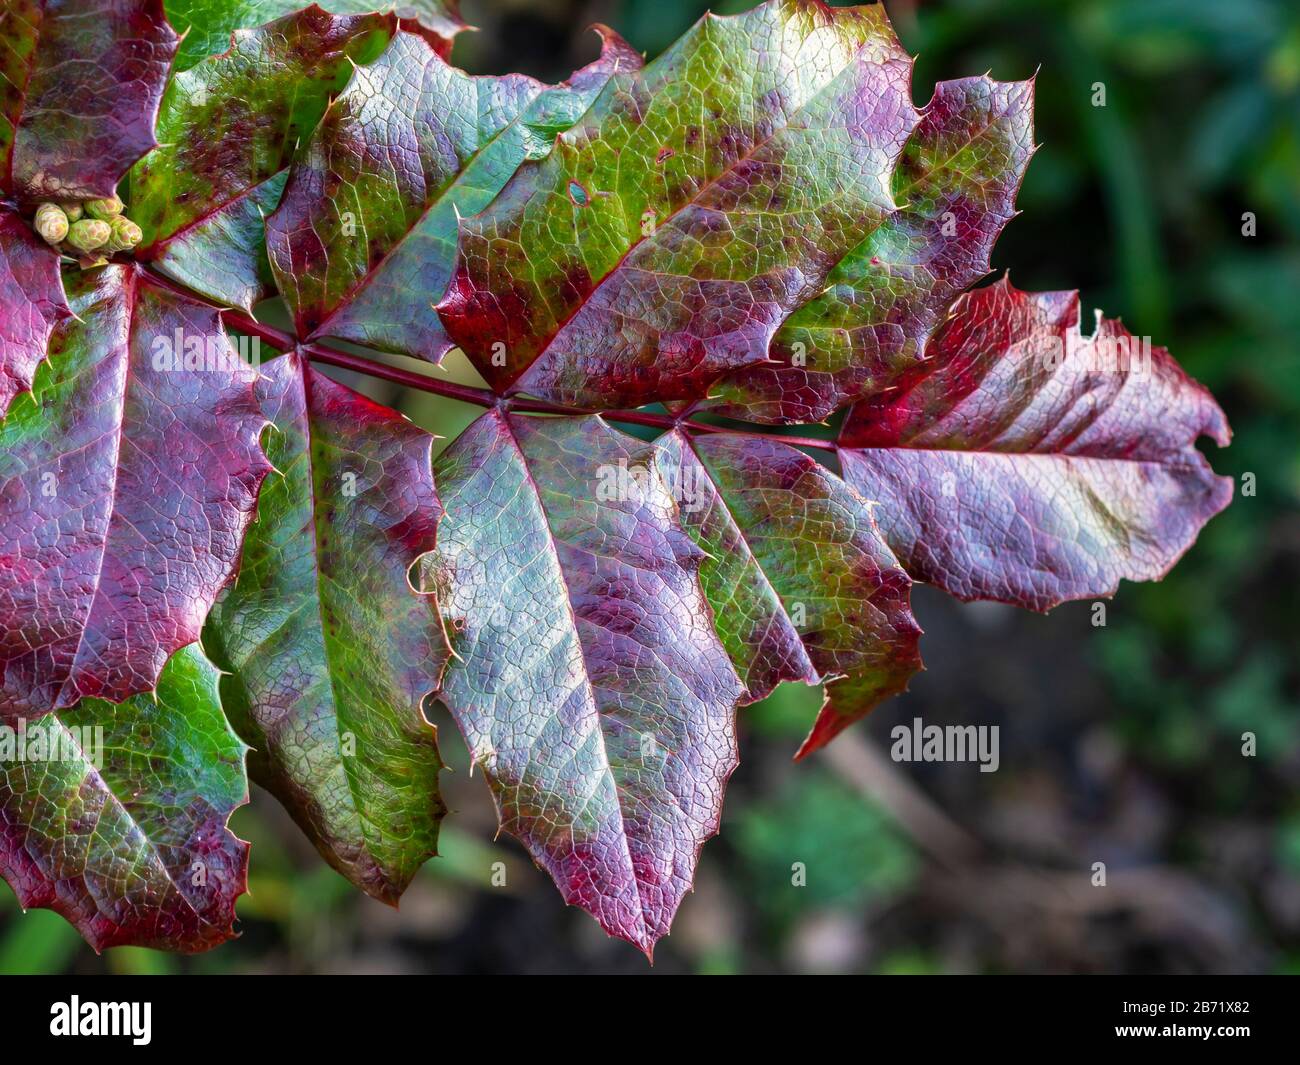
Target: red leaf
x,y
363,241
1034,465
125,488
330,653
80,84
588,681
31,303
801,584
867,331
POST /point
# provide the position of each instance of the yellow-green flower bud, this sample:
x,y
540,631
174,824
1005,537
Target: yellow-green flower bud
x,y
50,222
105,210
89,234
125,234
74,211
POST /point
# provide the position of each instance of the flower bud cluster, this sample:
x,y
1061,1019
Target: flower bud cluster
x,y
90,229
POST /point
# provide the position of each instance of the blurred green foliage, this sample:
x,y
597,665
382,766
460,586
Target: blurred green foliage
x,y
817,845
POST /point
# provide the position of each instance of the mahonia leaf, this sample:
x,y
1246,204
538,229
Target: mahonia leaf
x,y
32,303
80,82
331,649
1035,465
364,240
668,235
125,487
801,584
229,128
955,185
114,815
208,24
588,681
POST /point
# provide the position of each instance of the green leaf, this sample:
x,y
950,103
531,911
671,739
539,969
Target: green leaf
x,y
587,681
801,584
229,128
868,329
331,650
364,240
208,24
697,204
115,815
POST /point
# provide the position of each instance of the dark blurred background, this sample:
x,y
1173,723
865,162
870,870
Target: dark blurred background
x,y
1120,744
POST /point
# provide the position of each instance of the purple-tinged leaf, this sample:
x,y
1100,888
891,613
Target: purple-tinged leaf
x,y
588,681
668,235
114,815
330,650
31,303
1035,465
125,488
229,128
801,584
867,331
80,82
208,24
365,237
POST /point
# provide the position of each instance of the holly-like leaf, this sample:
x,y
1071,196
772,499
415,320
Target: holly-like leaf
x,y
229,128
588,681
31,303
80,82
114,815
1035,465
125,487
364,240
208,24
668,235
758,224
801,584
331,651
955,186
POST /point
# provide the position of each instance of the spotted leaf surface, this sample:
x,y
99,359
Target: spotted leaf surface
x,y
1035,464
666,237
588,681
867,331
364,240
801,585
330,650
125,488
229,128
80,83
208,24
31,303
114,815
